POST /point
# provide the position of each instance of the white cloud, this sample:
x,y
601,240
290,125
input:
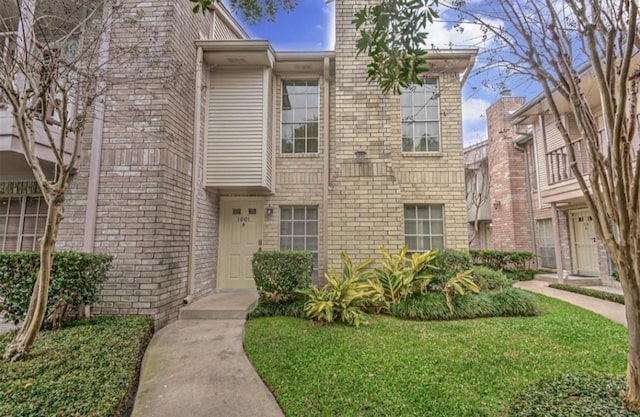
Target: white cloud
x,y
473,109
444,34
329,10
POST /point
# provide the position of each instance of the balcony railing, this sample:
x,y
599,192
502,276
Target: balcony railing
x,y
559,164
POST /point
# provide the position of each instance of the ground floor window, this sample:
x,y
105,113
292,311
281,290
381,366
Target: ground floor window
x,y
424,227
299,231
22,222
546,244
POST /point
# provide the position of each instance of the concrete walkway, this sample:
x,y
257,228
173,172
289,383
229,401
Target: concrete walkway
x,y
608,309
6,327
196,367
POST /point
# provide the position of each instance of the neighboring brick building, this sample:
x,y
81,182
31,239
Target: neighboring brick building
x,y
265,150
518,218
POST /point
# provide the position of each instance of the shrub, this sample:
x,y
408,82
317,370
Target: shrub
x,y
344,297
572,395
498,259
87,368
603,295
460,284
433,306
518,275
489,279
401,276
278,274
449,262
267,307
76,279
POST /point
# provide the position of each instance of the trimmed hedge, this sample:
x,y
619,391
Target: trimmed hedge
x,y
603,295
499,259
518,275
278,274
267,308
76,280
573,395
86,368
489,279
433,306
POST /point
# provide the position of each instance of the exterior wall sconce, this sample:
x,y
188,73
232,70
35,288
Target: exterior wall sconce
x,y
269,210
360,155
496,204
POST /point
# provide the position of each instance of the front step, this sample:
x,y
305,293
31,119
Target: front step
x,y
220,306
571,280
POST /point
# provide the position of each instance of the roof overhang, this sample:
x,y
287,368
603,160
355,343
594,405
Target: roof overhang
x,y
237,53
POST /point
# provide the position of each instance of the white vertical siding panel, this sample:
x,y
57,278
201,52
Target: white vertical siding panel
x,y
235,130
222,31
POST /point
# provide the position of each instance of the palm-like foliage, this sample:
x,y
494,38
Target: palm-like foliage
x,y
344,297
460,284
401,276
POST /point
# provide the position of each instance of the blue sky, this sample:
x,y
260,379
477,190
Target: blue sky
x,y
311,27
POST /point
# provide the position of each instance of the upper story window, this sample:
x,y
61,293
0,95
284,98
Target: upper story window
x,y
300,110
420,110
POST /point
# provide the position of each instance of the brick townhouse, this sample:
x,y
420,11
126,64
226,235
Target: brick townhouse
x,y
249,149
536,204
513,217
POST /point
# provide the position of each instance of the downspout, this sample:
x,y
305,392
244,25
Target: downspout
x,y
527,182
537,161
195,168
96,139
325,165
556,241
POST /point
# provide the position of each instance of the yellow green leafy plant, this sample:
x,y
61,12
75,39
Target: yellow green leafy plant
x,y
460,284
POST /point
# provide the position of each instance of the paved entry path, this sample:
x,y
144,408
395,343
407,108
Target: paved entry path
x,y
6,327
196,367
608,309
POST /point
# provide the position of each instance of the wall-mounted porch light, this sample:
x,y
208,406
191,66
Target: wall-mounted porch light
x,y
269,210
496,204
360,155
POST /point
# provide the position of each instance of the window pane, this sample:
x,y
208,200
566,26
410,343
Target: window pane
x,y
287,146
286,228
287,131
423,212
312,213
409,212
299,146
436,228
436,211
312,115
412,242
312,145
286,213
298,228
312,243
312,228
432,113
407,144
299,213
285,243
421,144
298,243
437,242
299,131
424,227
410,227
312,130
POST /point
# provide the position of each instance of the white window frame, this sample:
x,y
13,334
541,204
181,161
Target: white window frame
x,y
406,120
306,236
39,225
283,123
418,228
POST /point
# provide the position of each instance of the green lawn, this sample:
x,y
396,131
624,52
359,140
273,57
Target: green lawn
x,y
406,368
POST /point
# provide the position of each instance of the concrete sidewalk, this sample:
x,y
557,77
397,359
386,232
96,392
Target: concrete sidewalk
x,y
608,309
198,368
6,327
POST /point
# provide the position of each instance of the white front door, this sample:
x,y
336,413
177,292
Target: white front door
x,y
584,248
240,238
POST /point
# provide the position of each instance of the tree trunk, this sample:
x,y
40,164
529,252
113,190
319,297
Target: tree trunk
x,y
24,340
629,280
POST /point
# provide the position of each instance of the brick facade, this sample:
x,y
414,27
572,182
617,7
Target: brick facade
x,y
509,213
144,215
